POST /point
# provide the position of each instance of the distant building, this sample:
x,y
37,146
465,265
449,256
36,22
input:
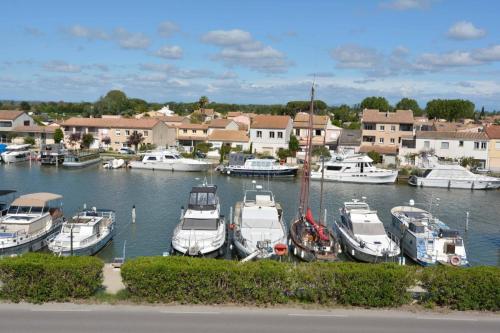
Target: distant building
x,y
188,135
41,134
349,141
118,131
324,132
493,134
9,120
234,138
270,133
226,124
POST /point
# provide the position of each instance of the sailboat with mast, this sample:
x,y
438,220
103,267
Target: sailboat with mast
x,y
310,240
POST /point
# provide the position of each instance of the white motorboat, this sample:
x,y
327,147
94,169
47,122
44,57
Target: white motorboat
x,y
240,165
85,234
258,229
354,169
202,229
454,176
30,222
16,153
169,160
362,234
115,163
81,159
426,239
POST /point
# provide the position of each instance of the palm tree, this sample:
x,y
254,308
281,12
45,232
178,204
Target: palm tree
x,y
135,139
203,102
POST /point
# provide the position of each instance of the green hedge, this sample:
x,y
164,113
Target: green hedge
x,y
209,281
37,277
474,288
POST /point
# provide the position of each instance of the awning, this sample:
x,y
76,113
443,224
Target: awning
x,y
35,199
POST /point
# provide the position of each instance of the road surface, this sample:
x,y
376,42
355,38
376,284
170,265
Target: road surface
x,y
55,318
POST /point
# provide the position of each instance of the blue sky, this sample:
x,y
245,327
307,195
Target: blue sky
x,y
251,51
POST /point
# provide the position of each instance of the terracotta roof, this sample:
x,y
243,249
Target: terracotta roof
x,y
242,126
451,135
146,123
10,114
228,136
172,119
398,117
193,126
219,123
453,126
270,122
388,150
493,131
35,129
302,121
234,114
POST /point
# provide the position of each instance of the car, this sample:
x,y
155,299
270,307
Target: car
x,y
126,151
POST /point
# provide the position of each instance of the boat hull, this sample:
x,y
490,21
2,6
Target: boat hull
x,y
304,253
68,164
291,172
33,245
219,252
170,167
85,251
362,178
455,183
9,158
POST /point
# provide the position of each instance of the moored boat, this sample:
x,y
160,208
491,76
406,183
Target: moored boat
x,y
169,160
30,222
362,234
257,167
258,228
52,154
81,159
114,163
16,153
85,233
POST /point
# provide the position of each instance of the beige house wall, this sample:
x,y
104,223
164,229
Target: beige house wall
x,y
494,155
385,132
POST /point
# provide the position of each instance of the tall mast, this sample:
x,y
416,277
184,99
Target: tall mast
x,y
306,177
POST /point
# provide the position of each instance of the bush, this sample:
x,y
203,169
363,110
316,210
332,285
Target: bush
x,y
209,281
29,140
475,288
376,157
37,277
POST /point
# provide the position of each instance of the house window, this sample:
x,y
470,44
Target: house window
x,y
317,132
460,143
146,133
480,145
193,131
427,144
484,145
271,135
393,141
5,124
445,145
26,123
127,132
280,135
185,131
297,131
117,132
393,128
382,127
381,140
259,134
369,127
205,131
497,145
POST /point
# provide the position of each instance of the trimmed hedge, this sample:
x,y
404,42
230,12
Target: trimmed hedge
x,y
209,281
474,288
36,277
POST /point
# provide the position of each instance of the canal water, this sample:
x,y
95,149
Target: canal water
x,y
159,195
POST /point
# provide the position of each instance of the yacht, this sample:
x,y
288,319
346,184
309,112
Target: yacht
x,y
52,154
202,229
115,163
454,176
362,234
258,229
85,234
354,169
81,159
169,160
16,153
260,167
426,239
30,222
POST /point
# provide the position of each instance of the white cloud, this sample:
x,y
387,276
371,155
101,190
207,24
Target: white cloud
x,y
465,30
239,48
61,66
406,4
168,28
131,40
353,56
88,33
491,53
169,52
432,61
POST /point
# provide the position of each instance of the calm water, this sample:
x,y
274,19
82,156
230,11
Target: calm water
x,y
158,197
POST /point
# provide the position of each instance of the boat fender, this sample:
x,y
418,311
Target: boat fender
x,y
455,260
232,226
362,244
280,249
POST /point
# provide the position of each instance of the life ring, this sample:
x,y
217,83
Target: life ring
x,y
280,249
232,226
455,260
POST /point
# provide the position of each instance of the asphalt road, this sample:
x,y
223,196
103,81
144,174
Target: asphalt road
x,y
54,318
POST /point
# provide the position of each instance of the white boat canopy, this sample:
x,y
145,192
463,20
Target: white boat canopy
x,y
36,199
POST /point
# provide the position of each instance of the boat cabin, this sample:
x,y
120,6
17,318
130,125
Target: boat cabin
x,y
203,198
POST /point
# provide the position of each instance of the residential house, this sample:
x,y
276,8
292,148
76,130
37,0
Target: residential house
x,y
234,114
349,141
174,120
206,114
226,124
445,126
324,132
188,135
270,133
11,119
153,131
234,138
41,134
493,133
243,121
448,145
383,131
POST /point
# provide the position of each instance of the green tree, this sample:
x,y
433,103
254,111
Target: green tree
x,y
223,151
135,139
283,153
29,140
58,135
409,104
374,102
321,151
196,118
25,106
115,102
106,140
203,147
11,136
450,109
470,162
376,157
482,114
293,107
203,102
87,140
293,145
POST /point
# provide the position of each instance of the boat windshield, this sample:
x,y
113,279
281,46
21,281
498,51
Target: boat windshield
x,y
199,224
368,229
203,198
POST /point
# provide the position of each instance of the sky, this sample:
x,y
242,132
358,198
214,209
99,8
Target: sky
x,y
257,51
